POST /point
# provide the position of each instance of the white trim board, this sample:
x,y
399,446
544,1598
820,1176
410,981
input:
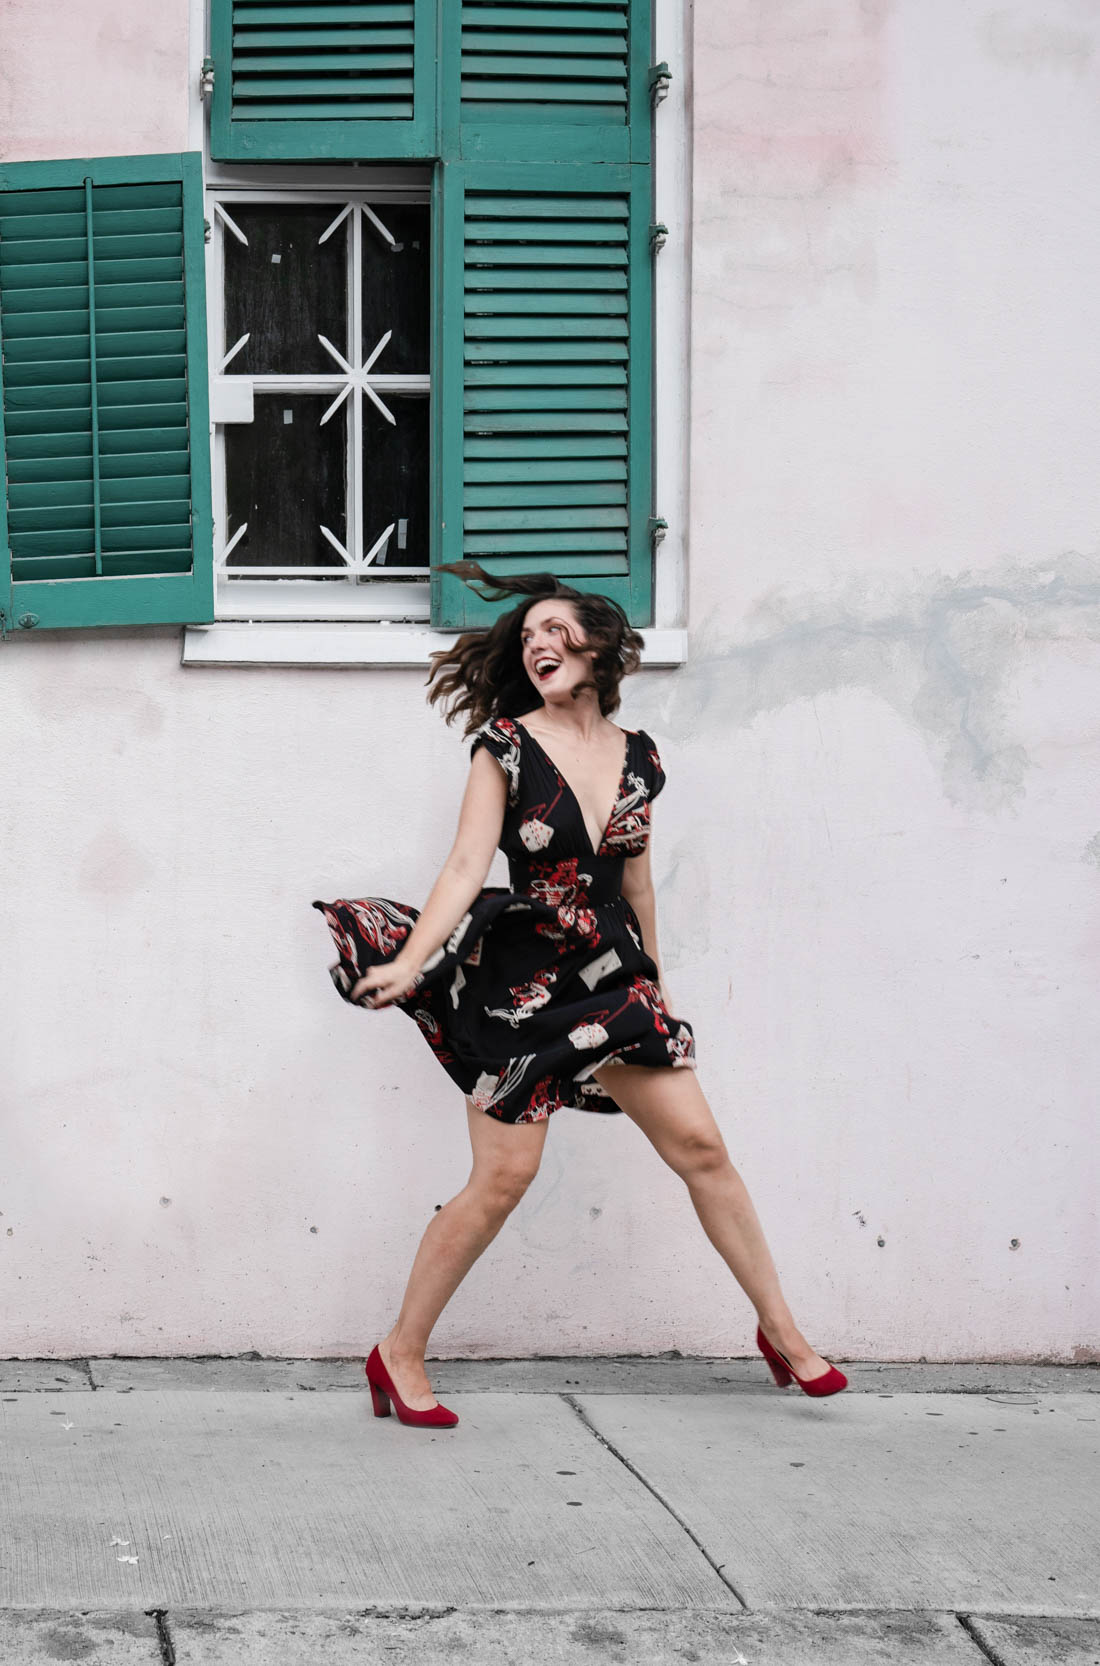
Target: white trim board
x,y
400,647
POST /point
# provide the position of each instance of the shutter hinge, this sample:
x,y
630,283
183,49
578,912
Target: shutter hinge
x,y
206,78
658,526
207,229
660,78
658,237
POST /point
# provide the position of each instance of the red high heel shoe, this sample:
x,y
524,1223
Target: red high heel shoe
x,y
382,1392
831,1382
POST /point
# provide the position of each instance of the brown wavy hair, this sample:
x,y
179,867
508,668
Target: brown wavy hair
x,y
483,674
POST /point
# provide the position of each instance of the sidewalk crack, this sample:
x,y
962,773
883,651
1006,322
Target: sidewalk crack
x,y
988,1653
664,1503
159,1616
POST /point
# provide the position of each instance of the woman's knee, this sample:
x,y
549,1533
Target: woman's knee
x,y
697,1153
506,1159
502,1174
501,1185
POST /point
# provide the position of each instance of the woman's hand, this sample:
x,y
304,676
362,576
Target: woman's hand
x,y
386,984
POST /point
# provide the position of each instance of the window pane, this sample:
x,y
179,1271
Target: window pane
x,y
395,479
285,288
285,476
396,292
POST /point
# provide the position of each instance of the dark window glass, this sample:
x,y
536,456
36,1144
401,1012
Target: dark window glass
x,y
285,288
285,476
396,289
395,479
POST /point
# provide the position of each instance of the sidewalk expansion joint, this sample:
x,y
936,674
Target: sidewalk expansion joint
x,y
159,1616
987,1653
409,1612
570,1400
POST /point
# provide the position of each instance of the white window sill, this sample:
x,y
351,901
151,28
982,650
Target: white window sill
x,y
350,645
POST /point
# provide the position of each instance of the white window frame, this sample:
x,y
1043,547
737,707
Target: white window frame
x,y
304,599
384,623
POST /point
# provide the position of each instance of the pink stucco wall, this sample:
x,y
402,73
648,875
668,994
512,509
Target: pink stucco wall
x,y
93,78
877,859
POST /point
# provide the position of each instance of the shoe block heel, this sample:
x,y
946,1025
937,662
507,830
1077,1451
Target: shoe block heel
x,y
783,1378
379,1399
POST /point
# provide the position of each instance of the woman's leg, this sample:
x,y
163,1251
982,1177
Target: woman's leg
x,y
506,1160
671,1110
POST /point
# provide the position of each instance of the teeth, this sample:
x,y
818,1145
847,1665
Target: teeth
x,y
543,664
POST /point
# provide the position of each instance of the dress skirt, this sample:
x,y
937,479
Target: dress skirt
x,y
545,980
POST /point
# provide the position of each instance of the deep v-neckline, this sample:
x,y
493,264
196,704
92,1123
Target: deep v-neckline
x,y
595,849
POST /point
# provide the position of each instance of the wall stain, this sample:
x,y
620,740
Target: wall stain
x,y
1028,42
685,927
113,866
945,656
61,692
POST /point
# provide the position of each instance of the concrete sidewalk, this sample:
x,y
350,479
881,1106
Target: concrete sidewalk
x,y
658,1510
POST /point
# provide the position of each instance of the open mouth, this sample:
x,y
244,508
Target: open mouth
x,y
545,668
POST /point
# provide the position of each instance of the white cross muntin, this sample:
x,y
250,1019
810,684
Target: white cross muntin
x,y
359,381
354,377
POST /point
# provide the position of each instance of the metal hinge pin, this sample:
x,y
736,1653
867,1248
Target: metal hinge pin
x,y
660,78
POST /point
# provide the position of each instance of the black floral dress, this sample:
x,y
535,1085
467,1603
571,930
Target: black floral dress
x,y
542,982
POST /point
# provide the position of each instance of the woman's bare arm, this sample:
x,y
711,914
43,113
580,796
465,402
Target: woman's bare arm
x,y
462,876
639,893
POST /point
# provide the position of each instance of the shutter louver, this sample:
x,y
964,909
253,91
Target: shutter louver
x,y
547,62
551,466
104,387
542,82
300,79
351,58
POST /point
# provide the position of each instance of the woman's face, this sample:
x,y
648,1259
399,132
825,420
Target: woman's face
x,y
543,638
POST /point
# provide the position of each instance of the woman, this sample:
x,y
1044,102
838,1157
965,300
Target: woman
x,y
548,993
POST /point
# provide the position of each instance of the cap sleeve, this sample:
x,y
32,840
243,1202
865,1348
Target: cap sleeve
x,y
498,735
654,773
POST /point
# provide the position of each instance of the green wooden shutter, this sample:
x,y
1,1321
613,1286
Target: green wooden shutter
x,y
543,378
300,79
547,80
104,428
